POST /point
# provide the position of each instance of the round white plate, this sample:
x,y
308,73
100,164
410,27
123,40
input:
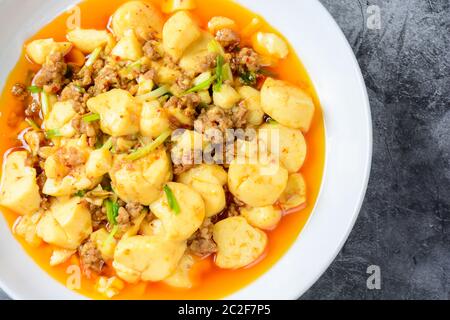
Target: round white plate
x,y
334,70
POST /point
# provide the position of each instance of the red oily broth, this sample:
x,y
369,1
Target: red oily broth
x,y
210,282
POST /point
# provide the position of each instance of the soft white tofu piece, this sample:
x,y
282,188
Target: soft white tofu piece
x,y
19,189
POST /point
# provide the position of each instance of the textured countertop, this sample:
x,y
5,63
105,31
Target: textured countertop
x,y
404,225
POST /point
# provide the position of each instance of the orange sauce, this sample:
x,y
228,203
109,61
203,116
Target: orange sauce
x,y
210,282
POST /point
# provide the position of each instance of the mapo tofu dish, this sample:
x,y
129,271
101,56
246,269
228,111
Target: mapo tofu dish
x,y
175,145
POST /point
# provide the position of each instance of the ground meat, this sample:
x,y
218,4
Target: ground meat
x,y
134,209
33,109
98,216
91,258
20,91
78,95
228,38
82,127
71,157
151,50
123,219
40,180
209,62
202,243
52,75
184,82
107,78
239,116
187,104
149,75
213,118
45,203
71,92
245,60
127,213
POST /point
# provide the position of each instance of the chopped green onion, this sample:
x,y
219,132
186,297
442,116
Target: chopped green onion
x,y
114,231
227,73
54,133
142,152
248,78
155,94
219,73
215,47
173,203
112,211
93,57
271,121
132,66
80,89
201,86
32,123
91,117
80,193
108,144
34,89
45,104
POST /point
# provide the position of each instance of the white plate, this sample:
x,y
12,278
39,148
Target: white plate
x,y
334,70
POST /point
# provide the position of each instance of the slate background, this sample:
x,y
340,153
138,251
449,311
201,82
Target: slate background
x,y
404,225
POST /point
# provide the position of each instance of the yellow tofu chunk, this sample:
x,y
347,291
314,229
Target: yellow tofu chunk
x,y
295,193
39,50
252,102
289,144
238,243
181,278
270,44
141,17
64,181
60,118
194,56
66,224
257,184
87,40
109,287
147,258
119,112
266,218
104,243
227,97
287,104
19,189
179,32
218,23
169,6
99,163
128,48
25,227
180,226
59,256
208,181
141,180
154,119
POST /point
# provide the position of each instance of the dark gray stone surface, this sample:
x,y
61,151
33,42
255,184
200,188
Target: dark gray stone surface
x,y
404,225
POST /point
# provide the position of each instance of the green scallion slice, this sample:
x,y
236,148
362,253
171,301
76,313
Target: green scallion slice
x,y
92,117
173,203
142,152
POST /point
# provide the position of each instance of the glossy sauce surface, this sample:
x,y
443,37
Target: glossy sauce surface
x,y
210,282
